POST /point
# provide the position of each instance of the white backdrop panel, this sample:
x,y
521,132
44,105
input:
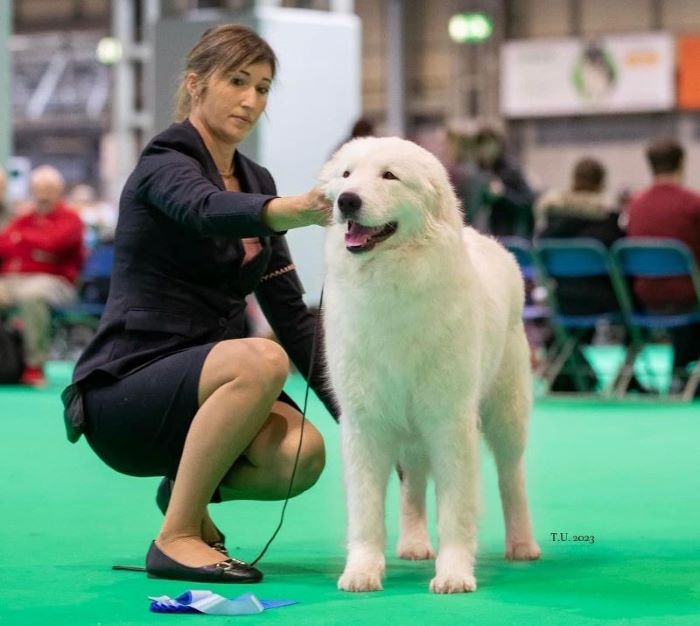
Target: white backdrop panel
x,y
624,73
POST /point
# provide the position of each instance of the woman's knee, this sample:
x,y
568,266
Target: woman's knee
x,y
312,460
258,363
271,358
262,362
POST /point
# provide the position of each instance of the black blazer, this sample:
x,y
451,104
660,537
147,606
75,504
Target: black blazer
x,y
177,279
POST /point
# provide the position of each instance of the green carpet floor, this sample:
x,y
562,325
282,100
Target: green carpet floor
x,y
626,473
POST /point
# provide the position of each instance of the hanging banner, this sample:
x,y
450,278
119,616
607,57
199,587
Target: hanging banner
x,y
619,74
689,72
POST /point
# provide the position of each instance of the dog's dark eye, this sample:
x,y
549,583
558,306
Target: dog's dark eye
x,y
389,176
346,173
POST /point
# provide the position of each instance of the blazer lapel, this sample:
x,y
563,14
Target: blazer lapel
x,y
248,172
241,163
210,169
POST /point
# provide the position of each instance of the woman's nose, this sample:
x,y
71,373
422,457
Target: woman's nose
x,y
250,97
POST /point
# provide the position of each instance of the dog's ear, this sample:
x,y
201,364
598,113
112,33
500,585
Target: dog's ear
x,y
327,173
445,197
338,161
446,207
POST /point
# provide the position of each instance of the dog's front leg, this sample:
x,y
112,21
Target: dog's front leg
x,y
414,541
367,464
454,458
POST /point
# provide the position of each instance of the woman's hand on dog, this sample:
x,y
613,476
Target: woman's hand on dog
x,y
306,209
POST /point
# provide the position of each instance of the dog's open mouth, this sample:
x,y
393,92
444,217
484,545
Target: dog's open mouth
x,y
361,238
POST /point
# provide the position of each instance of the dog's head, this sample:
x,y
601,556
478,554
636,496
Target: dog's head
x,y
387,192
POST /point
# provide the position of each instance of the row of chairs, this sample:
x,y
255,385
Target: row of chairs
x,y
546,261
85,313
549,260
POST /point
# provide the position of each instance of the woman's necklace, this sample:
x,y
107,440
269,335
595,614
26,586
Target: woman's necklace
x,y
228,174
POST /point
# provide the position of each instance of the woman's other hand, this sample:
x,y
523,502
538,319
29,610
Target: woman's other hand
x,y
306,209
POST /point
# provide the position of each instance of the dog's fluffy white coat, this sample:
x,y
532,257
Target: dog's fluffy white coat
x,y
425,346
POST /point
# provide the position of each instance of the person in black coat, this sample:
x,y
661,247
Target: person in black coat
x,y
169,386
504,189
582,211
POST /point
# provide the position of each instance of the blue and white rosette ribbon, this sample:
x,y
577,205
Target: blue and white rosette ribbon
x,y
201,601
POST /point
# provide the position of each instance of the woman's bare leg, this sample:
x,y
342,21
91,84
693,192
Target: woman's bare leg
x,y
264,470
239,383
209,532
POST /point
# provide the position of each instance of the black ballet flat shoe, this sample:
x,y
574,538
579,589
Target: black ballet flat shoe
x,y
159,565
163,500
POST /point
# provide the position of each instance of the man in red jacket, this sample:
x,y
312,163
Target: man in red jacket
x,y
667,209
41,254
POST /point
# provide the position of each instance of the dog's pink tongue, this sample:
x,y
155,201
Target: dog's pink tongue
x,y
358,235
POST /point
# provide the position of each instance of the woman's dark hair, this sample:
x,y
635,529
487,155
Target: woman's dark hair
x,y
665,156
222,49
589,175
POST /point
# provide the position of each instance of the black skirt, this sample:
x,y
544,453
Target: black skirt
x,y
137,425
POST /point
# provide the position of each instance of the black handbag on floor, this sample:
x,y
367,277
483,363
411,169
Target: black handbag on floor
x,y
11,354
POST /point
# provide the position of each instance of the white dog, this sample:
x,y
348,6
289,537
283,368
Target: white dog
x,y
425,345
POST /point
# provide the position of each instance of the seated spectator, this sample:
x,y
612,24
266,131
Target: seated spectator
x,y
668,209
41,253
506,193
584,211
99,217
469,183
362,127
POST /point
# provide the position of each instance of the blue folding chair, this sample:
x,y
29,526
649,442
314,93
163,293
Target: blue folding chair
x,y
522,250
93,286
654,257
559,260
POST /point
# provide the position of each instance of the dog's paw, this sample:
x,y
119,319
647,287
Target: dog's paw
x,y
522,550
453,583
354,580
415,550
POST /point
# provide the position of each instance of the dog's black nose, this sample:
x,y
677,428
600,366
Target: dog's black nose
x,y
349,203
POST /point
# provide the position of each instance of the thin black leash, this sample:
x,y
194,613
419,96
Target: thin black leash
x,y
312,362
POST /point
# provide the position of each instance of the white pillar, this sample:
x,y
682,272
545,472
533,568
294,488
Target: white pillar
x,y
342,6
395,81
124,141
150,14
5,83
